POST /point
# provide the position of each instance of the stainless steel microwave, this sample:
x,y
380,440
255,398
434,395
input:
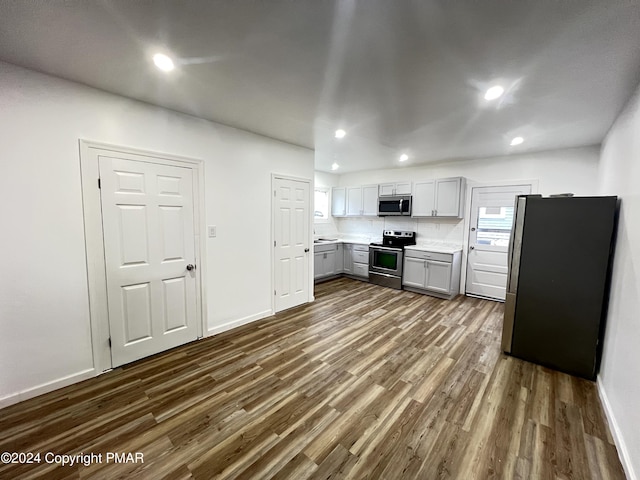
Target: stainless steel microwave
x,y
398,205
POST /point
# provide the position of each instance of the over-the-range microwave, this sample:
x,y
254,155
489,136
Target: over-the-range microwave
x,y
398,205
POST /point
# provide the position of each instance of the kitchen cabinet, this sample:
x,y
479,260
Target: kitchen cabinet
x,y
347,266
391,189
360,257
339,268
438,276
370,200
362,201
442,197
338,202
334,259
356,260
354,201
432,273
324,261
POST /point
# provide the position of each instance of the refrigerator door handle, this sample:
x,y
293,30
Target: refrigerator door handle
x,y
515,244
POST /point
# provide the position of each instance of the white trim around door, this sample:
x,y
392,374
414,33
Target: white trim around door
x,y
94,240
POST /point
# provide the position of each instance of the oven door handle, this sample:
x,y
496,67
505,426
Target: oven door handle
x,y
391,249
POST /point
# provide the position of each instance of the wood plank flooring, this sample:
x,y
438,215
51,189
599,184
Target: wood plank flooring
x,y
365,383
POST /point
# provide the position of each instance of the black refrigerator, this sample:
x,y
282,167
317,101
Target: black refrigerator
x,y
560,257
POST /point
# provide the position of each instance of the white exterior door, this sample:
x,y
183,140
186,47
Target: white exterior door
x,y
292,246
489,231
148,229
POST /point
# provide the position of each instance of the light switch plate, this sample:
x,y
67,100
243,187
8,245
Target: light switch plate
x,y
212,231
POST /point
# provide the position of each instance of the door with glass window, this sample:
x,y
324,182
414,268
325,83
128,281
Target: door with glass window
x,y
489,232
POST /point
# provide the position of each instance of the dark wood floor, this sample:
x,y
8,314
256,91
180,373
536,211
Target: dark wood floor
x,y
365,383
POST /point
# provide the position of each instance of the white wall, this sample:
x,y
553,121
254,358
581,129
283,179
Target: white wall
x,y
619,379
556,171
44,314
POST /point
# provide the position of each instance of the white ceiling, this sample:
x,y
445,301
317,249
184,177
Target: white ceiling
x,y
397,75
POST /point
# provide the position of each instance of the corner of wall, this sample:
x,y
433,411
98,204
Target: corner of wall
x,y
618,439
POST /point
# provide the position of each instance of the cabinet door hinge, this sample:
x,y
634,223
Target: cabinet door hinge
x,y
274,292
274,193
274,243
99,185
109,342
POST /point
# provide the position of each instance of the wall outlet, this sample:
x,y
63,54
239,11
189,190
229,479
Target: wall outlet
x,y
211,231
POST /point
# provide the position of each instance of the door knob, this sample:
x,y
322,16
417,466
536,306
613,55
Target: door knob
x,y
472,247
191,267
306,250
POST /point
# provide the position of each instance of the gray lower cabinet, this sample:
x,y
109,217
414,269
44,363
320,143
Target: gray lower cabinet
x,y
339,258
347,258
432,273
360,257
335,259
324,261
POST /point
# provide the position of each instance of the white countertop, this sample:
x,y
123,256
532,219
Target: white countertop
x,y
357,239
426,246
436,247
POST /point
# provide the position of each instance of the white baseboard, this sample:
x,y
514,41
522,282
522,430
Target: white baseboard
x,y
237,323
47,387
623,452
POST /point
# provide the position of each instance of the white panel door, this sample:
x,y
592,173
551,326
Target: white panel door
x,y
149,241
489,232
291,236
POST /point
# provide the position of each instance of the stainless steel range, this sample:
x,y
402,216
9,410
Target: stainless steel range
x,y
386,258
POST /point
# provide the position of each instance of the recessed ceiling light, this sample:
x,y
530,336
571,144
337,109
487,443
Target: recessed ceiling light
x,y
494,92
163,62
517,141
340,133
335,166
404,157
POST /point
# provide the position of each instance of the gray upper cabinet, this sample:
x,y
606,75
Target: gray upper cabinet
x,y
354,201
442,197
362,201
370,200
424,199
338,202
391,189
